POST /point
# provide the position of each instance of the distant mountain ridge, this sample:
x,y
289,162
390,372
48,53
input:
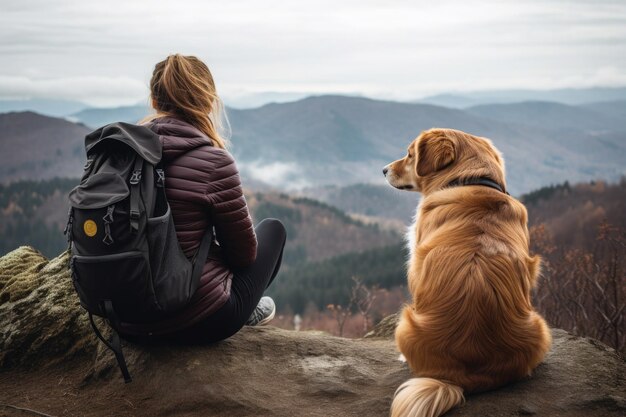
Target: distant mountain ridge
x,y
616,109
339,140
96,117
373,201
247,100
571,96
48,107
33,146
554,116
342,140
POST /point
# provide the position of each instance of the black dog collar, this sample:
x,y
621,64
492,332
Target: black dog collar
x,y
487,182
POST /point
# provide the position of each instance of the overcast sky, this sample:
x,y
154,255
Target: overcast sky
x,y
103,52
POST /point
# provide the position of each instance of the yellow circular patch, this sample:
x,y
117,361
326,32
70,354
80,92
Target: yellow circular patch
x,y
90,228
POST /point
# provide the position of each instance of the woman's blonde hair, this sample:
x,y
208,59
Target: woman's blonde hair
x,y
183,87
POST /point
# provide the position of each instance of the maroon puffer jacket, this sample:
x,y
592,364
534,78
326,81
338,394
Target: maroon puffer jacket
x,y
204,190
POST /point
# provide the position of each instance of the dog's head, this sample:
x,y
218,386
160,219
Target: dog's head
x,y
439,156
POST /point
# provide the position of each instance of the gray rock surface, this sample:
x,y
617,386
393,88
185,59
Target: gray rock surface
x,y
50,362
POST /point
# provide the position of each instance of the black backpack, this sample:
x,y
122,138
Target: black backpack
x,y
126,262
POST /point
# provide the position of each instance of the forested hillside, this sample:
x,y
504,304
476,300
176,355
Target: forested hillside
x,y
573,213
35,212
330,281
380,201
579,230
317,231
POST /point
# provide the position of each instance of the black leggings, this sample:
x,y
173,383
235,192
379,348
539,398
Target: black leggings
x,y
247,287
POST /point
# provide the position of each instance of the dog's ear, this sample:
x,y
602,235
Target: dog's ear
x,y
435,151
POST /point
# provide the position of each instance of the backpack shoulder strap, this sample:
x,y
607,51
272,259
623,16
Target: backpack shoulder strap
x,y
115,344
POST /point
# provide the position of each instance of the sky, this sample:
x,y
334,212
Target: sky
x,y
103,53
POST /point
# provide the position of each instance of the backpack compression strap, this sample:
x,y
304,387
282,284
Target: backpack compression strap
x,y
135,179
115,344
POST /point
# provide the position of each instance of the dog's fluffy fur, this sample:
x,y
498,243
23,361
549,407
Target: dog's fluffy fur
x,y
471,326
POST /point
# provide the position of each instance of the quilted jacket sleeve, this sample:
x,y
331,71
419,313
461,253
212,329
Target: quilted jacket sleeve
x,y
229,214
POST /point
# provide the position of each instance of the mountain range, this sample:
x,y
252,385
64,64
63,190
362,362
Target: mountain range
x,y
571,96
48,107
380,203
33,146
340,141
247,100
595,117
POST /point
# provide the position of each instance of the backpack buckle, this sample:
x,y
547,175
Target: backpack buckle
x,y
108,239
134,214
161,179
108,218
136,177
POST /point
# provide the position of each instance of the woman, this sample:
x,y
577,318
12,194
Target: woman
x,y
204,190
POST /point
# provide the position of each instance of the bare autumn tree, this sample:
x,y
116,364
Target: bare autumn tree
x,y
363,298
340,314
610,292
584,291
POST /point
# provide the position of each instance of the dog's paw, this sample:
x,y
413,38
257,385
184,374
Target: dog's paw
x,y
401,358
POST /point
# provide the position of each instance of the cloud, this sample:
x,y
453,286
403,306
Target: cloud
x,y
279,174
402,49
95,90
602,77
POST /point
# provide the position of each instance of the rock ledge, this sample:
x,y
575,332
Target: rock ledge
x,y
50,362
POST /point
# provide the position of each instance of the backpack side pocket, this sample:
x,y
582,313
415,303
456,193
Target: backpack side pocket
x,y
171,270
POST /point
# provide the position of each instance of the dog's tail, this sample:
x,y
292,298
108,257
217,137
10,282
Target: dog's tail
x,y
425,397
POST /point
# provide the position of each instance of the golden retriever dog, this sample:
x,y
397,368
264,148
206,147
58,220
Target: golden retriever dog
x,y
471,326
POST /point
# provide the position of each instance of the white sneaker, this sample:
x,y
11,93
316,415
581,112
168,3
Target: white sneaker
x,y
263,313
